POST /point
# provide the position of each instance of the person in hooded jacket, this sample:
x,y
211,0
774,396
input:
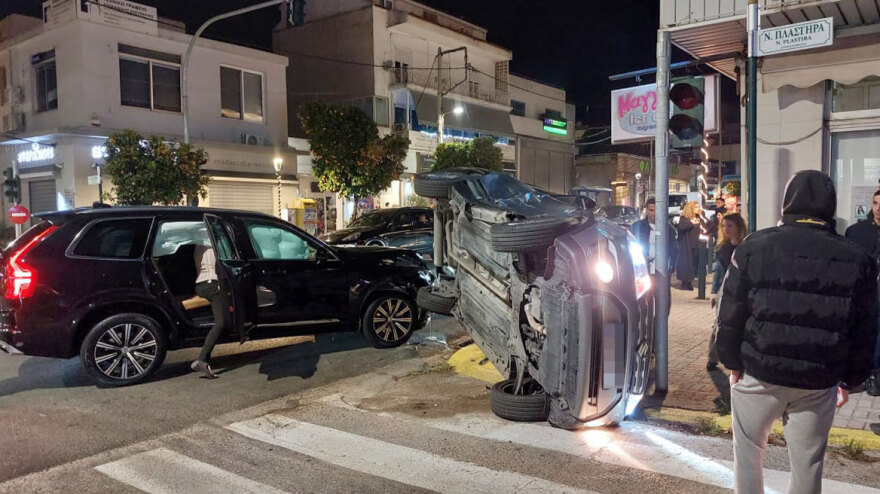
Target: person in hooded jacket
x,y
797,328
867,234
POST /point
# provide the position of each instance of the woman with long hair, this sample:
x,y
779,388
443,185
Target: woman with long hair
x,y
733,231
688,241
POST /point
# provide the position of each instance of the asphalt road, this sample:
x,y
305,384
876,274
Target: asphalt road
x,y
50,413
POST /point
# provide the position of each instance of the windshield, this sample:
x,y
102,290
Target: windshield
x,y
376,218
503,186
508,193
616,211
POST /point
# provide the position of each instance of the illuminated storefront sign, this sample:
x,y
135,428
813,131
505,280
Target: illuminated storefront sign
x,y
36,153
556,126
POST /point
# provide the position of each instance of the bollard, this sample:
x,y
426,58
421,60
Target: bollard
x,y
703,251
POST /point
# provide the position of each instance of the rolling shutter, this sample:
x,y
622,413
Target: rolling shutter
x,y
242,195
41,194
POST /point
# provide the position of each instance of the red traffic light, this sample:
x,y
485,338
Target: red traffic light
x,y
685,96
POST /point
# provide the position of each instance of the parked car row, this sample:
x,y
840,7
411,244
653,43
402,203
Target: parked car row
x,y
116,286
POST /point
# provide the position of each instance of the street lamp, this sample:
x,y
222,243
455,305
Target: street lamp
x,y
458,110
278,162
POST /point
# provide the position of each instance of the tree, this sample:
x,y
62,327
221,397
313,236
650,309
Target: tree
x,y
478,153
733,188
350,159
154,170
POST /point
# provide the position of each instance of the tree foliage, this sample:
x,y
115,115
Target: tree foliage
x,y
477,153
154,170
350,158
733,188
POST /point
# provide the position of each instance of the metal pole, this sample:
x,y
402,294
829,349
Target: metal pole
x,y
100,183
439,97
752,112
661,264
184,93
15,176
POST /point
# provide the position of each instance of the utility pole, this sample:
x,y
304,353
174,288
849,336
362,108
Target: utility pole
x,y
441,92
18,199
184,90
661,184
754,17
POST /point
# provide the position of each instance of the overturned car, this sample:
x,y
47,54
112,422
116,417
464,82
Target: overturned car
x,y
557,300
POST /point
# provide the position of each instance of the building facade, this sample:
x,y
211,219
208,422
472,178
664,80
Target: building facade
x,y
382,56
69,80
818,109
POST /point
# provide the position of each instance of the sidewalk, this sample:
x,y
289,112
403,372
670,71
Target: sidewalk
x,y
692,387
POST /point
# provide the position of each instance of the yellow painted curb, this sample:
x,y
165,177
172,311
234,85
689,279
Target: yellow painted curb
x,y
466,362
837,437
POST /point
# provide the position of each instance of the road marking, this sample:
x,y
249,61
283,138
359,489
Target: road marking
x,y
162,471
391,461
669,454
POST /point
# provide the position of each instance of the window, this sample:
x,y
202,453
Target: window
x,y
241,94
115,239
3,98
274,242
518,108
864,95
855,169
554,114
149,79
46,83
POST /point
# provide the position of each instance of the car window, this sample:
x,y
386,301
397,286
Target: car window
x,y
115,239
376,218
173,234
424,219
403,219
273,242
225,251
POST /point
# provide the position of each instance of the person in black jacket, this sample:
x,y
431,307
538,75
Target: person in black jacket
x,y
643,230
867,235
797,327
688,244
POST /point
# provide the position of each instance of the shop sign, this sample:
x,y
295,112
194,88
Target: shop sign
x,y
634,112
796,37
553,126
36,153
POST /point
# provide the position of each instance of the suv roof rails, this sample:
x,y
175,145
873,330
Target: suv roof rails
x,y
100,205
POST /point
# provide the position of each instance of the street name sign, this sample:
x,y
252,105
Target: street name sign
x,y
94,179
796,37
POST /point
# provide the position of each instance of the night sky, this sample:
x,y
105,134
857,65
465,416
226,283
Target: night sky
x,y
573,44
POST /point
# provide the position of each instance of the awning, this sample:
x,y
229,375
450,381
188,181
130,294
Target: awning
x,y
848,62
475,118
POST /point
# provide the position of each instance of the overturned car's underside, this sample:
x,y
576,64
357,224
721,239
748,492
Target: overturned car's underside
x,y
556,300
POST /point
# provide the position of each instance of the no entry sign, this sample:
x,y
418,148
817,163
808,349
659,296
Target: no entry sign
x,y
18,214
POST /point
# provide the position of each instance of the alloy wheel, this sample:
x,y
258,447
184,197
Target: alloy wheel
x,y
392,320
125,351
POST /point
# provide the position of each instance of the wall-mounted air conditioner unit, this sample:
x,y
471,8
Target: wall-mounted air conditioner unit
x,y
251,140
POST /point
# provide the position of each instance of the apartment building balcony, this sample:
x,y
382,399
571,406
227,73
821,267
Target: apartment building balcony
x,y
475,86
705,28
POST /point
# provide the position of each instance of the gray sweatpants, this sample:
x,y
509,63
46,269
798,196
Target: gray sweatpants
x,y
806,417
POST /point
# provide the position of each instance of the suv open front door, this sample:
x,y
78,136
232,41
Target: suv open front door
x,y
236,277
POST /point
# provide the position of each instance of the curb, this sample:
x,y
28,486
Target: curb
x,y
466,362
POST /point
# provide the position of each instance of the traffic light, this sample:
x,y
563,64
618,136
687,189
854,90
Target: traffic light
x,y
11,186
688,100
296,12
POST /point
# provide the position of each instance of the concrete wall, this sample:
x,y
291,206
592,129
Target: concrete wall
x,y
348,37
545,164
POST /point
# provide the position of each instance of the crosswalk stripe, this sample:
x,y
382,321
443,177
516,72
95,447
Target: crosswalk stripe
x,y
390,461
162,471
667,456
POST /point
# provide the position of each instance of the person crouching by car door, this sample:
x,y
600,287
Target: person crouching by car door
x,y
208,287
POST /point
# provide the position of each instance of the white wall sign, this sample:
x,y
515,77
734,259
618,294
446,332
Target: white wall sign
x,y
36,153
634,112
58,12
795,37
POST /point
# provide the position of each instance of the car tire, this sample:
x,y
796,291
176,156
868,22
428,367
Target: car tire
x,y
435,185
390,320
123,349
434,302
521,236
532,407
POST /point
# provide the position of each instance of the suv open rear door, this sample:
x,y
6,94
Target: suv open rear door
x,y
236,276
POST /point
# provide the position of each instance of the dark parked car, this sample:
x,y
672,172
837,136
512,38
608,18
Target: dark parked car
x,y
420,241
558,300
376,223
116,286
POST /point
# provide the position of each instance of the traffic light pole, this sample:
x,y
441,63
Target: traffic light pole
x,y
752,112
661,196
15,176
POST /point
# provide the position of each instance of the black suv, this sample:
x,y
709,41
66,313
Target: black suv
x,y
375,224
116,285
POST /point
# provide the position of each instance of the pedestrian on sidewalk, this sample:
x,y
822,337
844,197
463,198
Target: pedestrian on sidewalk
x,y
645,232
688,244
797,324
867,234
733,231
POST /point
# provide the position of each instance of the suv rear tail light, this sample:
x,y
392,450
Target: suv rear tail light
x,y
21,279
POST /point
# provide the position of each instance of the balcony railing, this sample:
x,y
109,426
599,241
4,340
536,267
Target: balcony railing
x,y
477,85
683,12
